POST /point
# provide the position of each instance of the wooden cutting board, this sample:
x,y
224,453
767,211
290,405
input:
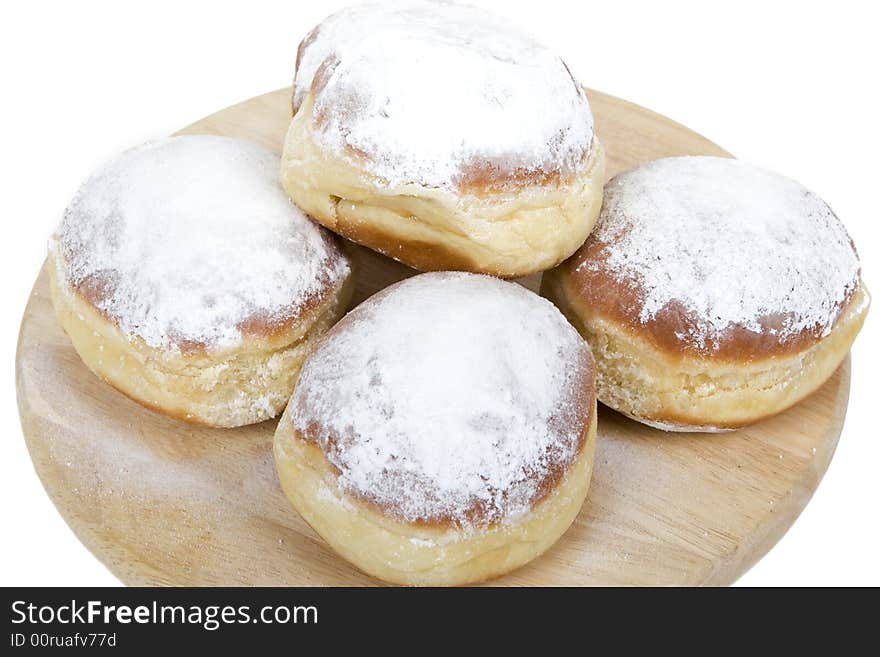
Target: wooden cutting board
x,y
162,502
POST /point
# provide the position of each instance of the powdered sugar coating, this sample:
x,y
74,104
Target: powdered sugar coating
x,y
737,247
449,396
442,95
185,240
341,33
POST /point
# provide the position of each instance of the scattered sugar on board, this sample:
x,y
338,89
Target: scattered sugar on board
x,y
447,391
424,90
732,243
189,237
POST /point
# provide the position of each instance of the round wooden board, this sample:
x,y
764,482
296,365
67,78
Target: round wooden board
x,y
162,502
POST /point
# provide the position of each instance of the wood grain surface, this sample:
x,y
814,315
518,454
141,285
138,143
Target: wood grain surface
x,y
162,502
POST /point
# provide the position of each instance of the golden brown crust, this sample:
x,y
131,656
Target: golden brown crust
x,y
274,327
484,178
416,553
507,233
423,255
232,387
682,391
603,294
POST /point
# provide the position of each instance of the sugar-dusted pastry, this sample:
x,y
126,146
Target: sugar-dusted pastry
x,y
712,293
187,280
444,137
443,432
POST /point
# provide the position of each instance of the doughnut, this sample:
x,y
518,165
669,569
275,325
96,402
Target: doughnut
x,y
443,432
187,280
713,293
443,137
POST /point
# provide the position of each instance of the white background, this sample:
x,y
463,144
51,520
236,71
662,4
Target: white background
x,y
790,86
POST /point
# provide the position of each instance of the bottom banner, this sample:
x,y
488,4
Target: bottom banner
x,y
136,619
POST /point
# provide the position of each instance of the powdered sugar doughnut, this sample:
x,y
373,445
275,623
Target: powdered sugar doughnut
x,y
186,279
444,137
713,293
443,432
